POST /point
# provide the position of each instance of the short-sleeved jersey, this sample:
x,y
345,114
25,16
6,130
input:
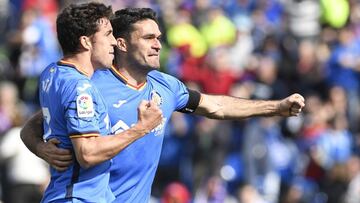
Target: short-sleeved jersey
x,y
73,107
133,169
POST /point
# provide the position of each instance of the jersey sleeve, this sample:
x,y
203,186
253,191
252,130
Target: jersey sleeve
x,y
186,100
81,115
193,102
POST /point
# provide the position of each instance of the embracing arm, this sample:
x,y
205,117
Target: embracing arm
x,y
227,107
94,150
31,135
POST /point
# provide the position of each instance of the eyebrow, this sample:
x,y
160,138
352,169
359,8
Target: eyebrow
x,y
152,35
109,32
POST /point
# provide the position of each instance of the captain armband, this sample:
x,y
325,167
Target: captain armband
x,y
193,102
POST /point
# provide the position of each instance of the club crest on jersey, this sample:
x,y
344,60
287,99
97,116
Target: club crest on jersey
x,y
156,98
85,106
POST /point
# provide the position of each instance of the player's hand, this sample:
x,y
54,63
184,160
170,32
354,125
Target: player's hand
x,y
292,105
149,115
58,158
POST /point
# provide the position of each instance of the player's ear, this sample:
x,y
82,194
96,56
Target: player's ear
x,y
121,44
85,42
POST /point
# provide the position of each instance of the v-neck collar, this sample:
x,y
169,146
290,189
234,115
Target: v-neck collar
x,y
126,80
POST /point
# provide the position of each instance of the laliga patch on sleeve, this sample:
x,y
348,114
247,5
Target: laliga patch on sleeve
x,y
85,106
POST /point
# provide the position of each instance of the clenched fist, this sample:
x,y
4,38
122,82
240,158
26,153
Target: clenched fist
x,y
291,105
149,115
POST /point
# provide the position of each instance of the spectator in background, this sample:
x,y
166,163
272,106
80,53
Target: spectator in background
x,y
217,20
213,190
303,19
218,77
182,33
176,193
39,48
249,194
26,175
233,8
4,17
352,194
343,70
11,111
335,12
241,50
334,145
310,71
12,114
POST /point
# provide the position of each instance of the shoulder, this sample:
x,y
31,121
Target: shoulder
x,y
63,76
60,71
71,79
52,68
104,79
162,78
99,74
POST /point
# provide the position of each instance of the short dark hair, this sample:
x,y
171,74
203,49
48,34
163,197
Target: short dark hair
x,y
78,20
124,19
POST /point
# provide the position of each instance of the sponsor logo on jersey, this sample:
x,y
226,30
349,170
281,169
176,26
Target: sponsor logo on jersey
x,y
159,130
121,126
120,103
85,106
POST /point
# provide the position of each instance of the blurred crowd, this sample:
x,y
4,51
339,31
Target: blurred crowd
x,y
258,49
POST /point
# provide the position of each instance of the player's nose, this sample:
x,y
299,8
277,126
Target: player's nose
x,y
113,41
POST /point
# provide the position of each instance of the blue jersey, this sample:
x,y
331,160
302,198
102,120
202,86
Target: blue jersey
x,y
133,169
72,107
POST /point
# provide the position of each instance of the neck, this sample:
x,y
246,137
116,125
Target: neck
x,y
82,62
134,75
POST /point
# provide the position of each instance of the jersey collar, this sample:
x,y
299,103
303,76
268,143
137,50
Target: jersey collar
x,y
126,80
72,65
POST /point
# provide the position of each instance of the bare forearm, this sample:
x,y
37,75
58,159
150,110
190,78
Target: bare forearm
x,y
237,108
31,133
92,151
226,107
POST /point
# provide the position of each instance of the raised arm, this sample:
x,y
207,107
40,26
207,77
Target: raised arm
x,y
31,135
226,107
94,150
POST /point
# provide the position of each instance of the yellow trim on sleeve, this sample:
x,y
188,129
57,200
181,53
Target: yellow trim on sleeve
x,y
85,135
